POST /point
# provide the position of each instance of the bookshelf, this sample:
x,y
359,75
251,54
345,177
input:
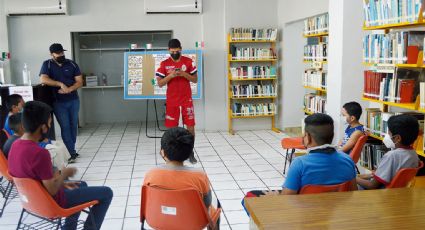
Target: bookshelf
x,y
252,75
393,57
316,32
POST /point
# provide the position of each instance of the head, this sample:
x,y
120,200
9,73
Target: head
x,y
403,130
57,53
319,130
177,144
15,123
351,111
15,103
36,118
175,49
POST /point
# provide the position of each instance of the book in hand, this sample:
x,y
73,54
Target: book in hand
x,y
316,25
253,34
384,12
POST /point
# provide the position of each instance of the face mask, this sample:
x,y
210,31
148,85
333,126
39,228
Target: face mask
x,y
176,55
60,59
388,142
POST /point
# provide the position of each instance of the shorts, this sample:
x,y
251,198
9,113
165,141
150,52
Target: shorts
x,y
172,115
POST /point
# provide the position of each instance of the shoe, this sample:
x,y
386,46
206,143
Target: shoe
x,y
72,159
192,158
77,155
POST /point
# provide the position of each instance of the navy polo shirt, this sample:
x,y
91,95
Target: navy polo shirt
x,y
65,74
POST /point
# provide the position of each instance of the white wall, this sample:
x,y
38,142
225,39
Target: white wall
x,y
294,10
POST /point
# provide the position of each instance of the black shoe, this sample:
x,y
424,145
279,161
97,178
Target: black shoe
x,y
72,159
77,155
192,158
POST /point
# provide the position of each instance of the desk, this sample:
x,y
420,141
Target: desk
x,y
376,209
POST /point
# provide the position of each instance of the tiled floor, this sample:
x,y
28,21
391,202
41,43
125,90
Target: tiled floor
x,y
119,155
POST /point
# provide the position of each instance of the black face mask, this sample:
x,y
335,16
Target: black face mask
x,y
176,55
60,59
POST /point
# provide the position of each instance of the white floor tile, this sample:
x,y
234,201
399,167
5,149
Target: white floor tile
x,y
237,217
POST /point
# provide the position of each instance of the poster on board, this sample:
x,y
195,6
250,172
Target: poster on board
x,y
25,91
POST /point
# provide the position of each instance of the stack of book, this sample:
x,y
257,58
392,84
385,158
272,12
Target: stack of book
x,y
315,78
250,72
383,12
401,47
241,34
316,25
250,53
314,103
249,109
252,90
372,155
402,87
315,52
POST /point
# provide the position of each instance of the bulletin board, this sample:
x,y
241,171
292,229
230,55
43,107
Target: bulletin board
x,y
139,74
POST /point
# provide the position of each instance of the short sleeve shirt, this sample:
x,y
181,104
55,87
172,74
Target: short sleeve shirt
x,y
349,131
28,160
320,169
393,161
7,127
65,74
178,89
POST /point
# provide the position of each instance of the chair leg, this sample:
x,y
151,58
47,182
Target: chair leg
x,y
357,169
286,160
7,197
93,222
20,219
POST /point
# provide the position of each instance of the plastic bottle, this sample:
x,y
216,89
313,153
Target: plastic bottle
x,y
104,80
26,76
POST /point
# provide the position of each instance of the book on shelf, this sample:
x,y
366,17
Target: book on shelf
x,y
254,90
316,25
400,47
249,109
315,78
251,72
251,53
253,34
402,87
384,12
372,155
317,52
422,95
314,103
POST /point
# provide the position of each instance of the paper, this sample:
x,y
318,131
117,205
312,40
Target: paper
x,y
25,91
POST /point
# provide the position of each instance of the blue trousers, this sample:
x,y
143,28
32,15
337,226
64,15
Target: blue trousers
x,y
67,115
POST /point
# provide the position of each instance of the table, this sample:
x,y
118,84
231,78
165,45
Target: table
x,y
375,209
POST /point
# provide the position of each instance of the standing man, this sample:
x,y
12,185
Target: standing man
x,y
65,77
177,72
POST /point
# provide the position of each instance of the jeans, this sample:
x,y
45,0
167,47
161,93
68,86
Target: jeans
x,y
67,115
85,194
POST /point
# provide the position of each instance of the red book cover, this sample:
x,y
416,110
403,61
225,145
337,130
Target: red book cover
x,y
407,86
365,83
412,54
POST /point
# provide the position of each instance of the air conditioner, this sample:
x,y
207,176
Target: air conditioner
x,y
173,6
36,7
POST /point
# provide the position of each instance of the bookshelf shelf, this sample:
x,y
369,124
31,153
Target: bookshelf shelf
x,y
262,97
251,116
375,136
420,152
404,25
254,60
308,112
316,35
253,79
311,61
314,88
252,41
409,106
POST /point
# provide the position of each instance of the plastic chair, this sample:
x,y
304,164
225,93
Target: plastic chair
x,y
291,143
4,135
38,202
314,189
6,186
404,177
175,209
356,151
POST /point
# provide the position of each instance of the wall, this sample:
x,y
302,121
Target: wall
x,y
4,44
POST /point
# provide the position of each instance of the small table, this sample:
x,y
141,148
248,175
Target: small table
x,y
374,209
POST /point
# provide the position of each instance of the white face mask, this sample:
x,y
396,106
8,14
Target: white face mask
x,y
388,142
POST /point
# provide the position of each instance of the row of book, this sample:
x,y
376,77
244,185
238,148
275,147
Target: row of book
x,y
383,12
250,53
316,52
314,103
422,95
253,34
250,72
400,47
372,154
315,78
401,87
249,109
316,25
252,90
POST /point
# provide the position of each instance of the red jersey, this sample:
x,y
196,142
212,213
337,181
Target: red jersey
x,y
178,89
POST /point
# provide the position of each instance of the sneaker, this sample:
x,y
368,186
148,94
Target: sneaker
x,y
71,159
77,155
192,158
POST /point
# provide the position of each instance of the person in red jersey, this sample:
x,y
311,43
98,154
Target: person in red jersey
x,y
177,72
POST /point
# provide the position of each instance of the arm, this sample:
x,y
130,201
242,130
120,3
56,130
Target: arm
x,y
352,141
78,83
46,80
165,80
54,184
192,78
368,184
353,185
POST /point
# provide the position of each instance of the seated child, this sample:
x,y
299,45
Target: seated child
x,y
351,112
403,130
176,147
14,104
15,123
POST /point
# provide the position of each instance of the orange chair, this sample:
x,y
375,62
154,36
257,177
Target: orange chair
x,y
314,189
8,192
291,143
175,209
38,202
404,176
4,135
356,152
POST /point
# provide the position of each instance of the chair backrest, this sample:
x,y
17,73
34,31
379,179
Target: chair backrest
x,y
404,176
4,168
313,189
358,148
173,209
36,199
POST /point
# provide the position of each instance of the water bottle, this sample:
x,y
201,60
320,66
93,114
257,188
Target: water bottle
x,y
26,75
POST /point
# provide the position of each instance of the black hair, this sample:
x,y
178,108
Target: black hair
x,y
13,100
15,122
321,128
35,114
353,109
406,126
177,144
174,43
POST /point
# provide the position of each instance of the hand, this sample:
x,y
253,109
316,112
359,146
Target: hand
x,y
182,73
69,172
64,89
71,185
172,74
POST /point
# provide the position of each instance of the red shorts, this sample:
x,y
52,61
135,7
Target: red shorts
x,y
172,115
